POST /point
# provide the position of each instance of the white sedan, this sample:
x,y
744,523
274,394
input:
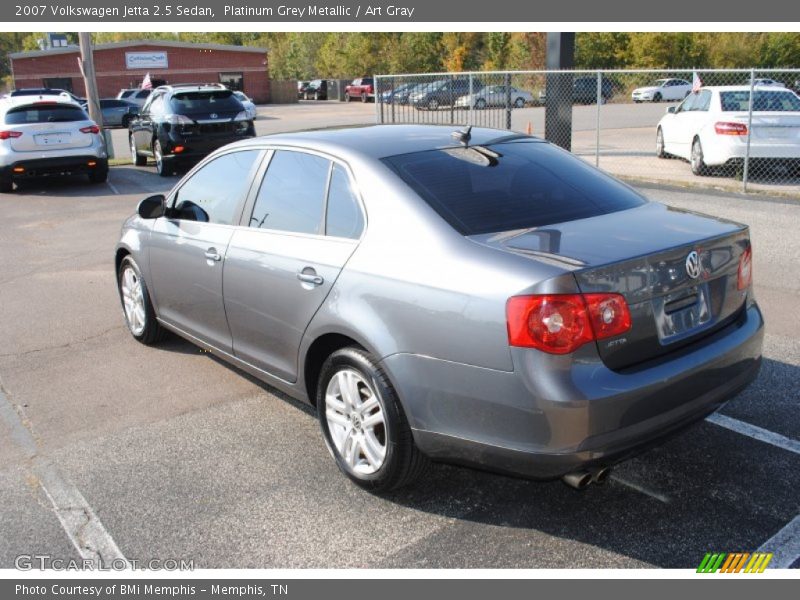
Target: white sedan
x,y
662,89
710,127
495,95
249,105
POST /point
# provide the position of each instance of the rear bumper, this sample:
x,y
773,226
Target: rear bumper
x,y
197,147
557,414
730,149
63,165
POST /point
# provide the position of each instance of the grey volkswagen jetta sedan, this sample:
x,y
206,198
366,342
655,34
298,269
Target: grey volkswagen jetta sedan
x,y
471,297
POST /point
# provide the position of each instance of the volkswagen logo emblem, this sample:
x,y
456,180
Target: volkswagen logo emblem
x,y
693,265
213,115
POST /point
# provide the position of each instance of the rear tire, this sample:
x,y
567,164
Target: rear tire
x,y
364,97
6,185
519,103
136,305
163,165
348,98
136,158
353,395
480,104
99,175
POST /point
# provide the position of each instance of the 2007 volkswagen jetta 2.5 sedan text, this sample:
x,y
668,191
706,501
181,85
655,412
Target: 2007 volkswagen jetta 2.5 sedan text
x,y
473,297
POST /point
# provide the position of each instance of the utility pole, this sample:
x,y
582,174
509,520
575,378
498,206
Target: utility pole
x,y
89,79
558,89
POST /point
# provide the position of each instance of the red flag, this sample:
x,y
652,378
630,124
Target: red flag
x,y
146,83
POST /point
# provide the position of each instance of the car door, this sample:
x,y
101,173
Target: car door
x,y
188,246
142,127
304,223
677,128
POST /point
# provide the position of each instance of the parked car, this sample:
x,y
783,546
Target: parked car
x,y
317,90
444,92
363,88
766,82
301,89
248,104
512,308
48,135
180,124
662,89
402,94
394,94
584,90
136,95
710,128
117,112
496,95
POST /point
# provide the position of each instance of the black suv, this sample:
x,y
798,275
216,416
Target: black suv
x,y
180,124
316,90
444,92
584,89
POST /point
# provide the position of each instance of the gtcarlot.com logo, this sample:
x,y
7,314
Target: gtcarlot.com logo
x,y
734,562
45,562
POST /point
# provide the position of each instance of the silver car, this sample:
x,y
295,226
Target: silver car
x,y
474,297
48,135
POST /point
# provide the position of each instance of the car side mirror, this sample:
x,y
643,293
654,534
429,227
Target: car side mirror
x,y
152,207
672,109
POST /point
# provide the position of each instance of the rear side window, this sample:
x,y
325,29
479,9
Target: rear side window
x,y
126,93
216,101
525,184
343,217
45,113
764,101
292,194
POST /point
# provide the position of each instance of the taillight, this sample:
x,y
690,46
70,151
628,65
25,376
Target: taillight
x,y
746,269
90,129
562,323
5,135
730,128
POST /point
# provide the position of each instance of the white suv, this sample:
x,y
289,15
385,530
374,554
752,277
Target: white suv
x,y
48,135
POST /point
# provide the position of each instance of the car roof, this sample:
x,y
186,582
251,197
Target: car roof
x,y
381,141
742,88
9,102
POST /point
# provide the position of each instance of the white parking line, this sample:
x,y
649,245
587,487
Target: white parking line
x,y
755,432
113,188
79,521
785,545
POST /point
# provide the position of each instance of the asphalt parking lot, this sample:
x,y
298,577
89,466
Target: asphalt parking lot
x,y
168,453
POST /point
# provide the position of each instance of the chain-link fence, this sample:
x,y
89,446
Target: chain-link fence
x,y
644,125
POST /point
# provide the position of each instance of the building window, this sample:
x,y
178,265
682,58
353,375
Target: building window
x,y
234,81
60,83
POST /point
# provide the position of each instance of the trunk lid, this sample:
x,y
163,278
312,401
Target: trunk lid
x,y
779,127
642,254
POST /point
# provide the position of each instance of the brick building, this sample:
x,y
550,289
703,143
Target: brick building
x,y
124,65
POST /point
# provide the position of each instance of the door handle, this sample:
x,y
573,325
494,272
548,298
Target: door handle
x,y
311,278
212,254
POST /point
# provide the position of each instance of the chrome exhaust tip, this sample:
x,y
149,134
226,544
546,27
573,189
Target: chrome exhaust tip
x,y
601,475
578,479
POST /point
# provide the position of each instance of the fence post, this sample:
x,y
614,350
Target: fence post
x,y
393,98
378,99
471,102
597,123
746,171
508,100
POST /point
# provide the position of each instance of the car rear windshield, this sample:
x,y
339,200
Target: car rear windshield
x,y
511,185
764,101
45,113
191,102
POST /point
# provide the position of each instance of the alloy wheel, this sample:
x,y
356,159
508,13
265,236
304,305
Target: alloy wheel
x,y
355,421
133,300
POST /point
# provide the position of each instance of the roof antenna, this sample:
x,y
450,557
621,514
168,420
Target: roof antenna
x,y
463,135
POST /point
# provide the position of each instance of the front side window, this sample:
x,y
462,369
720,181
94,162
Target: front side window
x,y
292,194
214,193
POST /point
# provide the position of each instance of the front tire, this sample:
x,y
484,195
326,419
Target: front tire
x,y
136,305
657,97
363,423
480,104
519,103
697,160
660,144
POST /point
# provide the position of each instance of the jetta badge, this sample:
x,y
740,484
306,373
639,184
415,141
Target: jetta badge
x,y
693,265
213,115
